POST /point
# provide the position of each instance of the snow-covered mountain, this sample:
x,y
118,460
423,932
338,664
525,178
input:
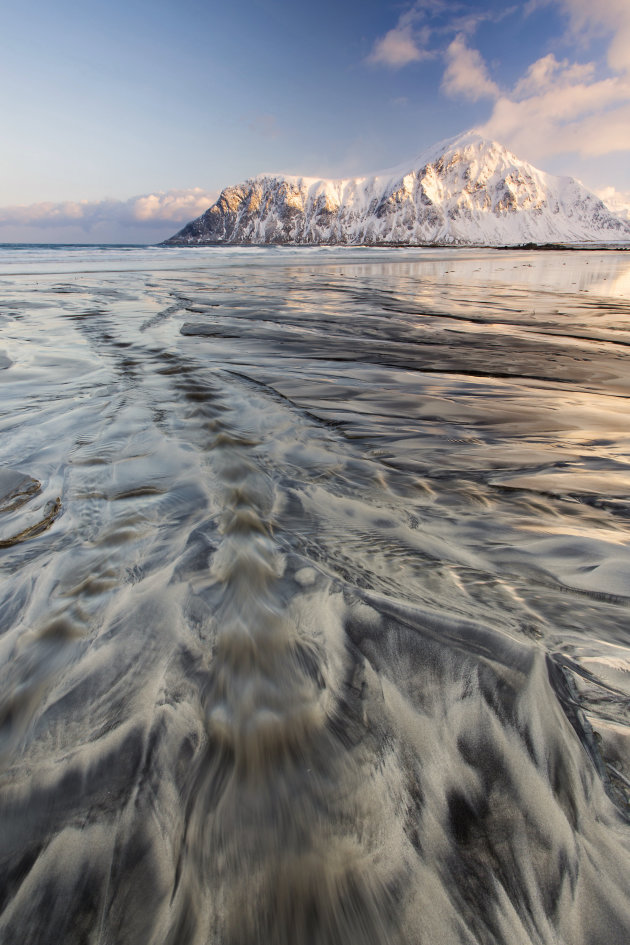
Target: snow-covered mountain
x,y
467,190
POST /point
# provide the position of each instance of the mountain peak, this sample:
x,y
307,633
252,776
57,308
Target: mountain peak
x,y
463,190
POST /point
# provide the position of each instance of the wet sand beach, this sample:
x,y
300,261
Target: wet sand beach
x,y
314,597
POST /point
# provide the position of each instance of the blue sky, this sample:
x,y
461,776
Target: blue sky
x,y
123,119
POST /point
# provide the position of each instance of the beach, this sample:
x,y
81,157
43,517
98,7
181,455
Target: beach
x,y
314,596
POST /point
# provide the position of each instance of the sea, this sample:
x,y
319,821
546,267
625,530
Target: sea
x,y
314,596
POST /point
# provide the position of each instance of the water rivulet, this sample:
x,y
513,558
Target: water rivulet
x,y
315,601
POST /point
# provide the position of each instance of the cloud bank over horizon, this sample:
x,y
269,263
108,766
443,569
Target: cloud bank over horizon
x,y
145,218
148,218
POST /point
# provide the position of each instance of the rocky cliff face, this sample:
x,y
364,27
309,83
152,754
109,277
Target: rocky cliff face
x,y
465,191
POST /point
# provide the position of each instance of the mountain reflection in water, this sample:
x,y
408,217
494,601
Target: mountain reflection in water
x,y
315,597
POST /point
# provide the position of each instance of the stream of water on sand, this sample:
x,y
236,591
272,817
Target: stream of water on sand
x,y
314,597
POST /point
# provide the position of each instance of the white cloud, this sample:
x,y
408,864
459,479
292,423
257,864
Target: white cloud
x,y
468,22
600,134
557,106
466,74
560,106
408,41
618,201
547,74
397,48
605,17
157,210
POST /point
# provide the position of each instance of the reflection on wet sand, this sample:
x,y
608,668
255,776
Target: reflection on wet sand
x,y
15,491
315,600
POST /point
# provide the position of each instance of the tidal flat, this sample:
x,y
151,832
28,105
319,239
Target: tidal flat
x,y
314,597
